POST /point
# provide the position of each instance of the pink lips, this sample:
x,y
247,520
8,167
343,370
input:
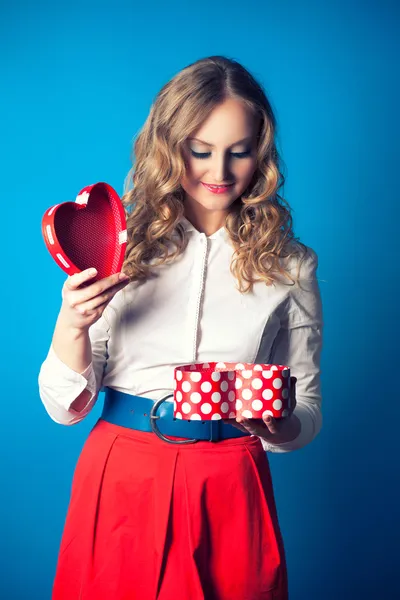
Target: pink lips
x,y
220,189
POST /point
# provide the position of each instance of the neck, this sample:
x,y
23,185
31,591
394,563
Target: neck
x,y
205,221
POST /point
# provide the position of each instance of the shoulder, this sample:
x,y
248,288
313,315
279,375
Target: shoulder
x,y
301,262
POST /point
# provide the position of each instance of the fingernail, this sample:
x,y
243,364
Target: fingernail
x,y
92,272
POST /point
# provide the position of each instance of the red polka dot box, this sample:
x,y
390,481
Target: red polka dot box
x,y
222,390
90,232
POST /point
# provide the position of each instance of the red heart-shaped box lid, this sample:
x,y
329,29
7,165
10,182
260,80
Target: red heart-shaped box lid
x,y
90,232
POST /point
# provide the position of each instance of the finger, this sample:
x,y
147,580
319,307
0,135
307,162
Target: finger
x,y
97,288
251,425
235,424
74,281
99,308
271,423
293,402
100,300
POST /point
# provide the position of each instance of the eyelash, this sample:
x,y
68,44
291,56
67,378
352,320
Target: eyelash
x,y
203,155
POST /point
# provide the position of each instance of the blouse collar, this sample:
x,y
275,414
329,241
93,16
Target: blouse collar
x,y
188,226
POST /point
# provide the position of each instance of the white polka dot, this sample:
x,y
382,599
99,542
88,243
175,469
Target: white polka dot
x,y
195,418
257,404
257,383
267,394
274,368
195,376
267,374
285,394
220,365
231,396
215,376
247,374
239,366
206,365
285,373
195,397
206,408
232,415
231,375
277,404
179,396
206,386
268,412
224,386
179,375
238,384
186,408
216,417
257,368
178,415
285,413
186,386
277,383
225,407
247,414
216,397
247,394
239,404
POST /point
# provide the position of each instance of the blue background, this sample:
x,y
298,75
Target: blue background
x,y
77,82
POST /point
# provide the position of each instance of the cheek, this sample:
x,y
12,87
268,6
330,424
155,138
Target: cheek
x,y
194,172
245,172
195,169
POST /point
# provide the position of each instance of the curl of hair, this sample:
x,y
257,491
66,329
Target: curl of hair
x,y
259,222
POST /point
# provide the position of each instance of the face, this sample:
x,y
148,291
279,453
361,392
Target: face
x,y
221,159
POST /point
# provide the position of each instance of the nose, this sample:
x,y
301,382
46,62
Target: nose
x,y
220,170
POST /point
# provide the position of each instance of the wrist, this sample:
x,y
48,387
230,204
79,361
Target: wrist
x,y
72,332
72,345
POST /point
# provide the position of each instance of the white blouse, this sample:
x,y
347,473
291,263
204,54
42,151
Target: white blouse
x,y
193,312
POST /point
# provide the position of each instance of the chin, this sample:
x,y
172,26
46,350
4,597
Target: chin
x,y
217,204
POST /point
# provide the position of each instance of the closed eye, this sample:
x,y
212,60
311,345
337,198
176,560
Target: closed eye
x,y
203,155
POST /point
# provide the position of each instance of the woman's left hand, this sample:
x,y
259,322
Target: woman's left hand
x,y
284,429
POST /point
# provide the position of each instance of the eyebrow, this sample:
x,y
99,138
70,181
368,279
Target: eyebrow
x,y
211,145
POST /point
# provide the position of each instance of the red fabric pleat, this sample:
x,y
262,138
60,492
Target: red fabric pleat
x,y
149,520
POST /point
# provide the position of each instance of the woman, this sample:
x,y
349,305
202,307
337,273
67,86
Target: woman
x,y
214,273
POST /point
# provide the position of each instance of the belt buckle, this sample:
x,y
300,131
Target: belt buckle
x,y
153,419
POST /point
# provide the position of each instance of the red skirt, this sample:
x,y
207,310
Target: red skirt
x,y
150,520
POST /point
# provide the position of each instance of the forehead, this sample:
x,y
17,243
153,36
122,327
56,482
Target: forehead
x,y
227,123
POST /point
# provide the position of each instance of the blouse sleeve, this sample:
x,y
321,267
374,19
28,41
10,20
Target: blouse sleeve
x,y
60,386
298,344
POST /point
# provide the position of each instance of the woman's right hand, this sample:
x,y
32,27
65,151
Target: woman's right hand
x,y
83,306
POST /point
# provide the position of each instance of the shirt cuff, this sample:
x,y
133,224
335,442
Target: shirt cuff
x,y
63,385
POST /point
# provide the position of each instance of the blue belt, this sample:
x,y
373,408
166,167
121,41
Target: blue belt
x,y
145,414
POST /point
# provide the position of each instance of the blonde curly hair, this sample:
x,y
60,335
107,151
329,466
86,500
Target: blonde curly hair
x,y
259,222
